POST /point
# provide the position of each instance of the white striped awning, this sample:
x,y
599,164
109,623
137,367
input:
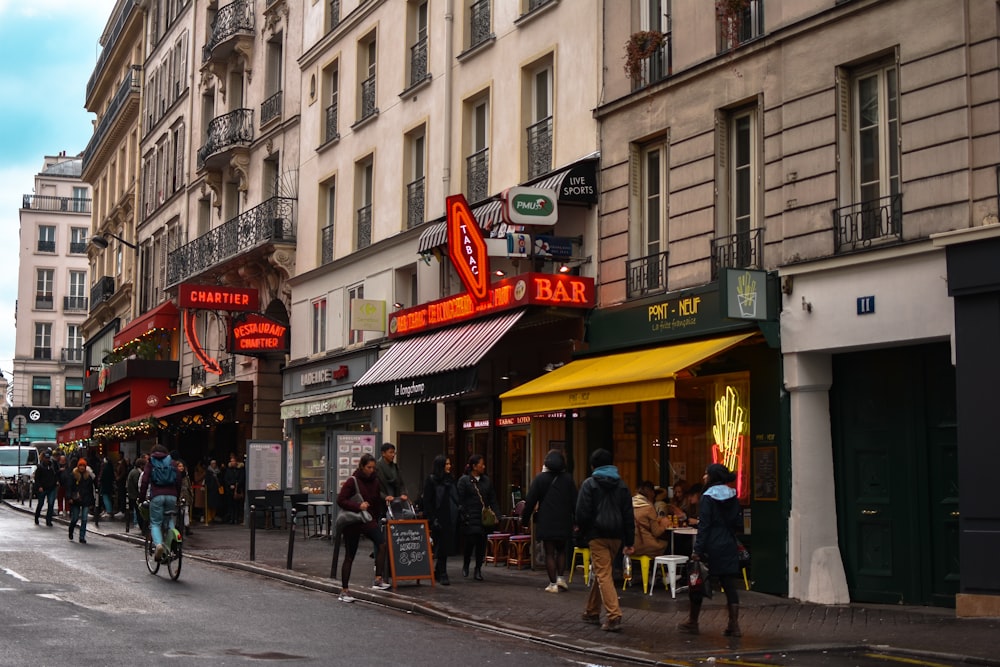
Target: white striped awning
x,y
489,216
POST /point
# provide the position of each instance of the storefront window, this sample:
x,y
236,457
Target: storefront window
x,y
312,466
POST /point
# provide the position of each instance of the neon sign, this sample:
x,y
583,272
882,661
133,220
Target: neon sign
x,y
253,333
729,435
218,297
191,336
466,248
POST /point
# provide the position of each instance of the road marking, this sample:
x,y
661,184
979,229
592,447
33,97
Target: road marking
x,y
908,661
15,575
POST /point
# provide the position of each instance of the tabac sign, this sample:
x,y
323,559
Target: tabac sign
x,y
467,249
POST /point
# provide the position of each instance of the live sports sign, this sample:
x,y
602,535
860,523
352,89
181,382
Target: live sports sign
x,y
256,334
529,289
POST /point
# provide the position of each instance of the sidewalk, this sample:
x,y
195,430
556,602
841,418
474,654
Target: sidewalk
x,y
514,602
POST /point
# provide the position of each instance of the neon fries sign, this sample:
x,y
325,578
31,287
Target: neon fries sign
x,y
729,433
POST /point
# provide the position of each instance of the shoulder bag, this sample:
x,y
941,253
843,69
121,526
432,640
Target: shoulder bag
x,y
489,517
348,518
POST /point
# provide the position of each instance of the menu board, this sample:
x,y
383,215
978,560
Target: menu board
x,y
264,465
410,550
350,447
765,473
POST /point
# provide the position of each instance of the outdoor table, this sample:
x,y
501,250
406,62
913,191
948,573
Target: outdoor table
x,y
314,507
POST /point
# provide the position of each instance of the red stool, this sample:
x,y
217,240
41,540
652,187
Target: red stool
x,y
519,553
496,548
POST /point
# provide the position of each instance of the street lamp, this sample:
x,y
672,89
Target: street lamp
x,y
101,241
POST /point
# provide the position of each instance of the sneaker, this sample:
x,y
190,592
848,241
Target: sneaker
x,y
552,588
594,619
344,597
561,583
612,625
158,555
380,585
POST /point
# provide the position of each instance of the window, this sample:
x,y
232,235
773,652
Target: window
x,y
539,131
318,326
78,240
415,185
418,42
364,184
272,176
741,25
479,22
366,75
332,14
80,200
74,392
43,340
46,238
354,336
477,162
655,17
331,77
738,241
77,298
270,108
74,344
41,390
44,279
330,206
648,271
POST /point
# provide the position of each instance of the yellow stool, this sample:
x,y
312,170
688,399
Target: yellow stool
x,y
496,548
519,551
584,553
644,562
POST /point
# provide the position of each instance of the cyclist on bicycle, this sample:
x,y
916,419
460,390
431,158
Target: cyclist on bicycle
x,y
161,480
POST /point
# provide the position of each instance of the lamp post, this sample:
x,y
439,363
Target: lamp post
x,y
101,241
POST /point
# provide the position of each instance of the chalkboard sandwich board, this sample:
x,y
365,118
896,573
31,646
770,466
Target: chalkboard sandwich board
x,y
410,550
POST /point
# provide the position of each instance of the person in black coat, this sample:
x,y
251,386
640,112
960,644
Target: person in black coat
x,y
46,477
719,518
82,497
440,505
475,492
553,492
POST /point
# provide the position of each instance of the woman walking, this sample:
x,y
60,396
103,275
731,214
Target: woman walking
x,y
440,504
553,492
475,493
363,483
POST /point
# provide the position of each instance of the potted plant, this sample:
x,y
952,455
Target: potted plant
x,y
731,15
640,46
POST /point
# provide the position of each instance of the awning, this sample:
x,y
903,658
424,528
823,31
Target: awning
x,y
180,407
321,404
628,377
81,427
488,215
163,316
433,366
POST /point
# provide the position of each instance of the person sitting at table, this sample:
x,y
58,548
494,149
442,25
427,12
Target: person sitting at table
x,y
651,534
690,504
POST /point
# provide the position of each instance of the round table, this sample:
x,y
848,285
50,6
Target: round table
x,y
314,507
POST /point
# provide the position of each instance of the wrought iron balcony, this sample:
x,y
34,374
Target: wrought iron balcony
x,y
109,45
127,92
418,62
46,246
477,173
326,252
78,247
44,301
655,67
331,123
741,250
535,4
232,20
415,203
364,226
270,108
102,291
51,203
540,148
75,303
739,29
271,222
479,28
234,129
368,107
71,355
646,275
198,375
334,14
228,366
859,226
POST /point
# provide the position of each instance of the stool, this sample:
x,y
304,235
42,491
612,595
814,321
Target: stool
x,y
671,562
644,562
519,551
496,548
584,554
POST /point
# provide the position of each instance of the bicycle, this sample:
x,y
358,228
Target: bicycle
x,y
173,555
24,491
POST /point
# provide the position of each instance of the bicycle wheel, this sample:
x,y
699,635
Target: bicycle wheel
x,y
174,561
149,549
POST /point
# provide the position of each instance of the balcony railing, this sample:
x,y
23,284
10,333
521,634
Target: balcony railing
x,y
44,301
224,132
273,220
735,30
334,14
479,28
42,353
78,247
102,290
71,355
109,46
540,148
46,246
655,67
71,303
51,203
233,19
198,375
737,251
331,123
368,98
646,275
415,203
128,87
228,366
418,62
364,226
270,108
535,4
872,222
326,250
477,173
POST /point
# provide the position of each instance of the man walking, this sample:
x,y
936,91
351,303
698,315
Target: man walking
x,y
604,515
46,477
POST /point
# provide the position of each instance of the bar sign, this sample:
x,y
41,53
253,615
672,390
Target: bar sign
x,y
866,305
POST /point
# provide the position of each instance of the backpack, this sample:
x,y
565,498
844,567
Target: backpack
x,y
164,473
608,519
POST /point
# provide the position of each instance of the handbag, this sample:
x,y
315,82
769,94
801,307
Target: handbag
x,y
742,553
698,579
488,517
347,517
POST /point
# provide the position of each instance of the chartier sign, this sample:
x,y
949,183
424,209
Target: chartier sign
x,y
255,334
192,297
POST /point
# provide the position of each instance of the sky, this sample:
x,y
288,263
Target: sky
x,y
48,49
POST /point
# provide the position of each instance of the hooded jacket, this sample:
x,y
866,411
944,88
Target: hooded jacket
x,y
719,518
604,507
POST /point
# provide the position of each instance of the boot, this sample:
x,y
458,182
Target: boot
x,y
690,626
478,574
733,628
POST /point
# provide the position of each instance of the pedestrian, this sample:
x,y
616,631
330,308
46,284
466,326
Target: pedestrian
x,y
440,505
122,469
162,493
198,491
81,495
605,518
715,545
651,534
475,493
390,479
553,492
363,482
186,498
62,476
213,490
233,479
106,482
132,496
46,480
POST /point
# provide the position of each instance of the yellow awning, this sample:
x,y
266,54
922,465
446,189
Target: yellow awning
x,y
629,377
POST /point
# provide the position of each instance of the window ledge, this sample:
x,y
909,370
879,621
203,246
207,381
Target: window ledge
x,y
414,87
476,48
332,141
536,12
364,121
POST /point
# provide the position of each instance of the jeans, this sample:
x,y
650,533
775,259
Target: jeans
x,y
158,507
50,496
602,557
109,508
78,512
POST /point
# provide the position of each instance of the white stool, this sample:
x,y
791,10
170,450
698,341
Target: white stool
x,y
671,562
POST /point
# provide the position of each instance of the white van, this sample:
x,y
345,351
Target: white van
x,y
17,460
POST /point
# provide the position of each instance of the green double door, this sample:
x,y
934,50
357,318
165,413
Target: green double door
x,y
896,466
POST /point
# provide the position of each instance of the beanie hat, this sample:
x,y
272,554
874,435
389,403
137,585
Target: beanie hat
x,y
719,474
600,457
82,463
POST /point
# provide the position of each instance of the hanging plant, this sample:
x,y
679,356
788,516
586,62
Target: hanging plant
x,y
640,46
731,14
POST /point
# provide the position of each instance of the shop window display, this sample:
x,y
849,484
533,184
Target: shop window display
x,y
312,466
